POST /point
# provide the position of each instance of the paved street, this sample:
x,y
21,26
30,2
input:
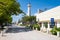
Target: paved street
x,y
26,34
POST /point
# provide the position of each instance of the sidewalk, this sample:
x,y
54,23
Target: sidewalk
x,y
30,35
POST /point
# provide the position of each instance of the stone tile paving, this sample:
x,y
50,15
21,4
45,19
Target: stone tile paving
x,y
30,35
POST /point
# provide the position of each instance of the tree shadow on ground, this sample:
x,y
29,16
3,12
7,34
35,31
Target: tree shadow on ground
x,y
17,30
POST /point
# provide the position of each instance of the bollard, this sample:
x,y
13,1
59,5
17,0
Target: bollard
x,y
58,34
48,31
36,28
2,34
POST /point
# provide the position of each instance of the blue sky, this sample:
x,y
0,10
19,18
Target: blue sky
x,y
36,4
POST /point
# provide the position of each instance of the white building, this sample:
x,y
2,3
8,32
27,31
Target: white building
x,y
47,17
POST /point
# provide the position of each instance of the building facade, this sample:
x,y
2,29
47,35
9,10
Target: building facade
x,y
51,17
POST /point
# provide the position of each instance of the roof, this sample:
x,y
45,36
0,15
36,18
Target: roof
x,y
47,15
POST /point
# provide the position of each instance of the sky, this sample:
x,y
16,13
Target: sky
x,y
35,4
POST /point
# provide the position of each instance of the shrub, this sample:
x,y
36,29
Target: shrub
x,y
54,30
58,29
46,24
36,26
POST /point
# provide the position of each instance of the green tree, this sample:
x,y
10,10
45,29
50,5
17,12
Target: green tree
x,y
7,9
10,7
5,18
28,19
